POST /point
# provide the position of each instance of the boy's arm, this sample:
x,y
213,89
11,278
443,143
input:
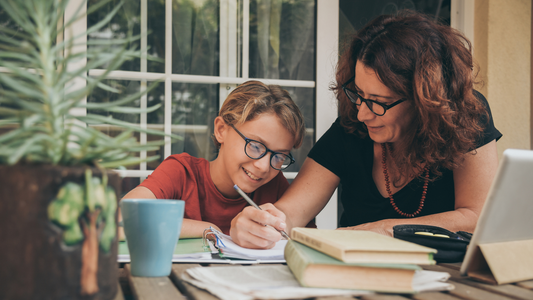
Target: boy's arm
x,y
189,228
194,229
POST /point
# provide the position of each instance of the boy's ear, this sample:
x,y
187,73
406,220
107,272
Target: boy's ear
x,y
220,130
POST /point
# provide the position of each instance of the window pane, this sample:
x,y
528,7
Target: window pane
x,y
282,39
194,108
156,36
7,127
127,88
353,15
7,22
128,184
304,98
156,120
127,18
195,37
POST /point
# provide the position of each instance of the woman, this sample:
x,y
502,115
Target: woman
x,y
414,143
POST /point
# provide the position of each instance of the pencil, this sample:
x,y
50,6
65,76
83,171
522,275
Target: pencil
x,y
243,194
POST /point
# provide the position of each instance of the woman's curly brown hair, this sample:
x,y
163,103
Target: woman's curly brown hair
x,y
429,64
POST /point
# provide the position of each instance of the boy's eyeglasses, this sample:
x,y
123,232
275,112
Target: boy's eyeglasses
x,y
380,109
256,150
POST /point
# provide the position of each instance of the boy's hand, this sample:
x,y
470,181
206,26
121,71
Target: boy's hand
x,y
248,227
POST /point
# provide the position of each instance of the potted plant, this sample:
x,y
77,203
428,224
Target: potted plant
x,y
58,198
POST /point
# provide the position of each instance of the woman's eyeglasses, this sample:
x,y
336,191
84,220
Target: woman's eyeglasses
x,y
379,109
256,150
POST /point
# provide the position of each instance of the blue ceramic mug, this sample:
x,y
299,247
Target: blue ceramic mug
x,y
152,229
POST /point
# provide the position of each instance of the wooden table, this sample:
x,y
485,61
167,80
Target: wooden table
x,y
163,288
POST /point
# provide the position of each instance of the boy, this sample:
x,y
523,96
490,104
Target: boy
x,y
255,130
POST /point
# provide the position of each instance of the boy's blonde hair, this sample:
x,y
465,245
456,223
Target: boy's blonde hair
x,y
254,98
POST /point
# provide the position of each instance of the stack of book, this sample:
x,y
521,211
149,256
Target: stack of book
x,y
354,259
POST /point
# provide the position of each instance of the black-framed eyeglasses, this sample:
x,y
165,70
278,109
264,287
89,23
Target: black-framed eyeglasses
x,y
256,150
379,109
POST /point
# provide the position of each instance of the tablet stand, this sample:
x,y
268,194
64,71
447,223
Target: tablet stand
x,y
504,262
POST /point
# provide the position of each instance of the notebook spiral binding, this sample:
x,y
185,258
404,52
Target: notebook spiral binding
x,y
211,235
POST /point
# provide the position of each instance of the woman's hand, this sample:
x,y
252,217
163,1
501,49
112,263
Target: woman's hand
x,y
381,227
248,227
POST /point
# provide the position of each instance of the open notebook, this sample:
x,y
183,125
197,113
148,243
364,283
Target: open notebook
x,y
223,250
228,249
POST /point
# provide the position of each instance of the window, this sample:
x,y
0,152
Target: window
x,y
205,49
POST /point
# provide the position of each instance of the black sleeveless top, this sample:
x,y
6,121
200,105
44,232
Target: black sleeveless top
x,y
351,159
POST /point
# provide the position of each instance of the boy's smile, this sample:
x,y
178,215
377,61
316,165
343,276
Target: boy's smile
x,y
251,175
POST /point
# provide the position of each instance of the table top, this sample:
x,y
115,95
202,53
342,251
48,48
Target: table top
x,y
172,287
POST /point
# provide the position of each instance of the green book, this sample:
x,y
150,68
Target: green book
x,y
186,249
316,269
358,246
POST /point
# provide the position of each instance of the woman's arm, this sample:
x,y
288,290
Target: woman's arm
x,y
189,228
303,200
472,182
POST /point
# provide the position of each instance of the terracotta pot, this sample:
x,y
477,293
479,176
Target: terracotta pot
x,y
35,260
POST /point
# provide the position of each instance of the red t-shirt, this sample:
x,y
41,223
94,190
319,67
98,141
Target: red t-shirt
x,y
187,178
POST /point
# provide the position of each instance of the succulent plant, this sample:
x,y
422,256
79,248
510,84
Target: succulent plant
x,y
38,94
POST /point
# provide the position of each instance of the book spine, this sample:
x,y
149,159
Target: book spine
x,y
318,245
296,261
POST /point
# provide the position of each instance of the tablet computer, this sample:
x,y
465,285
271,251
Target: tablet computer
x,y
507,214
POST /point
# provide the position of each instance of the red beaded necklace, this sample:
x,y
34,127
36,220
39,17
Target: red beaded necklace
x,y
387,184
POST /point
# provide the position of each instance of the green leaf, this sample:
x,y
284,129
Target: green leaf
x,y
8,33
8,121
118,103
73,235
89,190
23,104
22,150
102,85
22,74
96,119
109,232
76,16
7,112
68,205
20,86
126,162
100,198
104,21
133,110
20,16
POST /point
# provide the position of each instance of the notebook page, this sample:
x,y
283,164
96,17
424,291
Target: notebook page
x,y
228,248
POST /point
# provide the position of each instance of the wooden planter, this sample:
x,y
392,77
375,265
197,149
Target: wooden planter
x,y
35,261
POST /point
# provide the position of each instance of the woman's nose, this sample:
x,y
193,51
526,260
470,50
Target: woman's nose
x,y
364,113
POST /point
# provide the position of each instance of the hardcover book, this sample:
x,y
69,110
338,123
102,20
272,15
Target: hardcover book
x,y
358,246
315,269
